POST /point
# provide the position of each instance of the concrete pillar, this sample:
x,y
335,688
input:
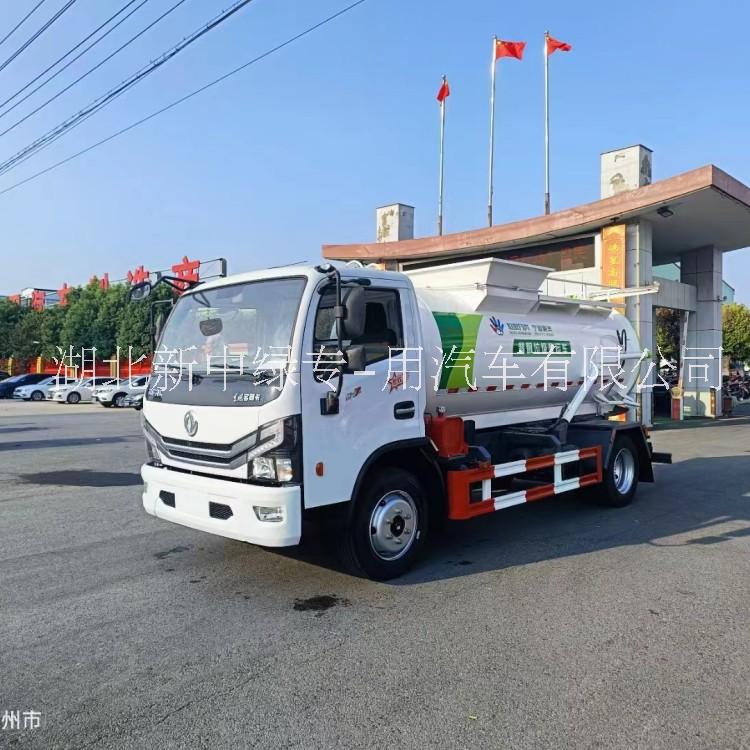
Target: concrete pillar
x,y
639,310
702,268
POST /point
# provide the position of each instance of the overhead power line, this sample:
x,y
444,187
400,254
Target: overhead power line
x,y
20,23
90,70
182,99
36,34
67,54
128,83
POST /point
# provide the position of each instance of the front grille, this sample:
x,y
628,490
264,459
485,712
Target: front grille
x,y
228,456
218,460
219,510
195,445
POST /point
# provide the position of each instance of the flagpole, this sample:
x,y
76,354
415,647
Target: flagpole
x,y
546,125
492,131
442,162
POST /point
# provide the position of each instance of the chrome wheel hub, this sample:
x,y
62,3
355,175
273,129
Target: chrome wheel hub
x,y
623,471
393,525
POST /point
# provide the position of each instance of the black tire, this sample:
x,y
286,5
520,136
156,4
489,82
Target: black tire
x,y
73,398
106,404
621,476
37,396
118,400
393,502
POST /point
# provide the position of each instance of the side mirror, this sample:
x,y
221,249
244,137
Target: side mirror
x,y
356,358
354,311
140,291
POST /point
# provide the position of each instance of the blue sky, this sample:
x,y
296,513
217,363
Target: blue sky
x,y
299,149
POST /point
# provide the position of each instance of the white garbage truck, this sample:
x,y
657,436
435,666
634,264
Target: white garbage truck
x,y
387,401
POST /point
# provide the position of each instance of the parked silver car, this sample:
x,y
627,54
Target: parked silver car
x,y
115,394
80,390
38,391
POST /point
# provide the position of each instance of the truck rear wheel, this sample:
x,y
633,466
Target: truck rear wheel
x,y
621,477
388,526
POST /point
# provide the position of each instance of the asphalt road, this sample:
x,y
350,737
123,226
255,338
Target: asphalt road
x,y
559,624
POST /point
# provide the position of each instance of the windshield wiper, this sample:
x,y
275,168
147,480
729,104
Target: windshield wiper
x,y
264,375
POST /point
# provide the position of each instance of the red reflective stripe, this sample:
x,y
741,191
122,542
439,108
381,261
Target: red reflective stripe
x,y
537,493
491,387
509,387
540,385
524,385
453,390
540,462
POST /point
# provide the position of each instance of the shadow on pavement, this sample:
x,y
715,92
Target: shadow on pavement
x,y
65,442
83,478
20,428
571,525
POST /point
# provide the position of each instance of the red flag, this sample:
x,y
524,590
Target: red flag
x,y
445,91
554,44
509,49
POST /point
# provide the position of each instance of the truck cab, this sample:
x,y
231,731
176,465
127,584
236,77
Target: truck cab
x,y
237,441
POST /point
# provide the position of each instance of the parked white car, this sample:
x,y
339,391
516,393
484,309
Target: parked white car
x,y
80,390
115,394
38,391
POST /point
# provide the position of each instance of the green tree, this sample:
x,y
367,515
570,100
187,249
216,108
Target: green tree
x,y
53,319
91,320
668,332
736,331
134,322
11,316
26,334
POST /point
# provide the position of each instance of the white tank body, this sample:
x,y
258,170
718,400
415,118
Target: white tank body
x,y
486,345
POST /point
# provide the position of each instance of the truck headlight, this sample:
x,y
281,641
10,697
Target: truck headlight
x,y
264,467
276,457
270,468
270,436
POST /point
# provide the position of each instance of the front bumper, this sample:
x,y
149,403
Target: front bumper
x,y
193,496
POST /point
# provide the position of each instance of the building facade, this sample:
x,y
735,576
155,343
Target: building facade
x,y
643,245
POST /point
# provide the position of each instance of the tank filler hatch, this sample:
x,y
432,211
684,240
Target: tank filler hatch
x,y
483,281
489,284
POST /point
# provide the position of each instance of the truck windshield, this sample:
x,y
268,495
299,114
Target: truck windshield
x,y
233,340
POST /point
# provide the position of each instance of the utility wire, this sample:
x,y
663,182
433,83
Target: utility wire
x,y
91,70
182,99
36,34
67,54
20,23
128,83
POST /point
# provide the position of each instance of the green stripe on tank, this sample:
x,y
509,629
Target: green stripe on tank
x,y
458,337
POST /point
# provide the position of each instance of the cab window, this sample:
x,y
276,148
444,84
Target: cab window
x,y
383,331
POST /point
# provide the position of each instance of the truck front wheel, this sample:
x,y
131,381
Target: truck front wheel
x,y
621,477
388,526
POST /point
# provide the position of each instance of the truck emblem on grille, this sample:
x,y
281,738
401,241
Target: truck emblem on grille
x,y
191,423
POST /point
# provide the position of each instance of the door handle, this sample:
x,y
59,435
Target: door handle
x,y
404,410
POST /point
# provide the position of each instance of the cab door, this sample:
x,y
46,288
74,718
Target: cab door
x,y
382,404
